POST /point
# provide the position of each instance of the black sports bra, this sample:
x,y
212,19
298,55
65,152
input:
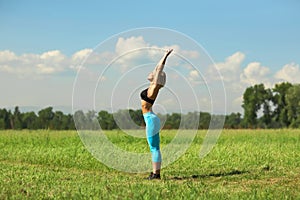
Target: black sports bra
x,y
145,97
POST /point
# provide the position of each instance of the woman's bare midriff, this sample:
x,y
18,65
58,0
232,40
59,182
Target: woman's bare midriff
x,y
152,94
146,107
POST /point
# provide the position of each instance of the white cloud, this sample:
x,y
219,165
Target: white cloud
x,y
255,73
229,69
50,62
135,50
194,77
85,57
235,75
7,56
55,62
6,68
289,72
53,56
194,74
130,52
190,54
124,45
79,56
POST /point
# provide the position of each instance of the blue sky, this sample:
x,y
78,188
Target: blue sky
x,y
262,35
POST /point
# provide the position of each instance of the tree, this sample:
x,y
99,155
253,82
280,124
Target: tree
x,y
92,123
80,120
204,120
45,117
191,120
106,120
173,121
5,119
293,105
280,114
70,122
30,120
137,117
233,120
265,101
127,119
57,121
16,119
249,105
253,98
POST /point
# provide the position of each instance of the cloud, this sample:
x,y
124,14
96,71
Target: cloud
x,y
79,56
127,53
44,69
53,56
229,69
124,45
255,73
50,62
130,52
134,51
194,74
7,56
235,75
194,77
289,72
87,57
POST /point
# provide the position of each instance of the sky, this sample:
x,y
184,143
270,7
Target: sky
x,y
43,45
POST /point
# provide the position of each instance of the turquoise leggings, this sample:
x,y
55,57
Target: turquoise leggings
x,y
152,132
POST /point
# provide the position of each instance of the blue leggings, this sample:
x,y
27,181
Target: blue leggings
x,y
152,132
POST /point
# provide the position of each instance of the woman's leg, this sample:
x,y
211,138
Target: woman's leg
x,y
156,167
154,143
153,139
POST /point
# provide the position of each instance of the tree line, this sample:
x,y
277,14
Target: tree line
x,y
278,107
47,118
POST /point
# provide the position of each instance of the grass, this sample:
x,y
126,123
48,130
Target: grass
x,y
245,164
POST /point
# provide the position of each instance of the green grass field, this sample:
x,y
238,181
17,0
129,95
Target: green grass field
x,y
245,164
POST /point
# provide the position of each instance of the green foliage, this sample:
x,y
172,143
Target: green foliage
x,y
263,108
245,164
280,106
292,99
173,121
233,120
279,101
17,119
45,117
254,98
106,120
30,121
204,120
5,117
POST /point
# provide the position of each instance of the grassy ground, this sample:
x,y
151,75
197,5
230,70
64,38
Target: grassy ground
x,y
245,164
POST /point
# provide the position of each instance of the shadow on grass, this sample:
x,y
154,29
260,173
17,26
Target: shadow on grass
x,y
199,176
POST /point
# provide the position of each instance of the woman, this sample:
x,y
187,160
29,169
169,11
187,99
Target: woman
x,y
157,80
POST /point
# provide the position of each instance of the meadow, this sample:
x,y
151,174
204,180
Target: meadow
x,y
244,164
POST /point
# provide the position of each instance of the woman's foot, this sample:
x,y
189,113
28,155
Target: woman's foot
x,y
153,176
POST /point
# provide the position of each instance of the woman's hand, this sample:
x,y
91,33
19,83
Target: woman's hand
x,y
169,51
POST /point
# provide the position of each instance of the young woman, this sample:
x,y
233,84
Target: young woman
x,y
157,80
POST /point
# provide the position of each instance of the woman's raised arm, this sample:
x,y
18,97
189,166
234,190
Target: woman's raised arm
x,y
159,76
161,64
